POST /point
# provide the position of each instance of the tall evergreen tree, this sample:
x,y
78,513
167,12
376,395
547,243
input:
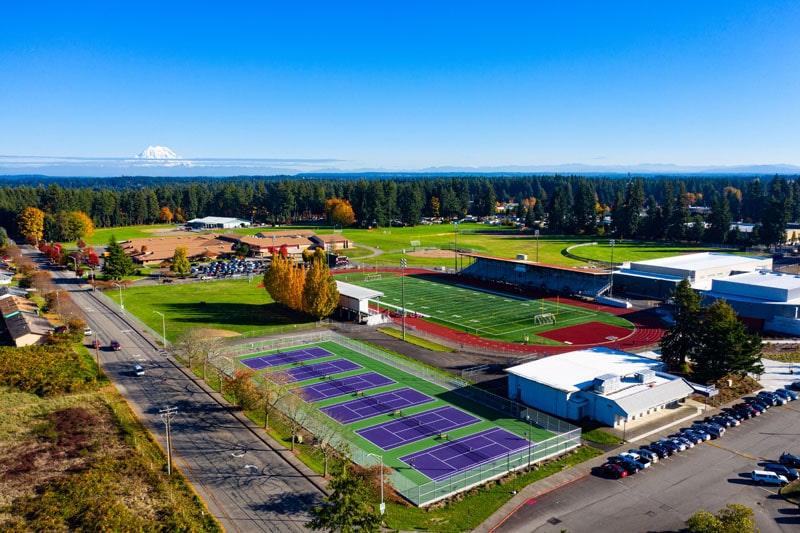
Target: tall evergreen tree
x,y
725,346
118,264
682,339
719,221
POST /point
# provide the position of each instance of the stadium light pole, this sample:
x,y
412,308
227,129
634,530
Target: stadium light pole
x,y
403,293
380,458
530,438
163,328
611,277
455,246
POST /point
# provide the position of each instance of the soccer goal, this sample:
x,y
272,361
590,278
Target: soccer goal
x,y
372,277
545,319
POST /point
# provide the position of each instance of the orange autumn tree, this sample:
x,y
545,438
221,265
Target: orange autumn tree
x,y
284,282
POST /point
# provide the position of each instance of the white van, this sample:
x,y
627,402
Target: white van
x,y
770,478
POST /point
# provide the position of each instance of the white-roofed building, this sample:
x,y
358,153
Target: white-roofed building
x,y
354,301
600,383
657,278
218,223
763,300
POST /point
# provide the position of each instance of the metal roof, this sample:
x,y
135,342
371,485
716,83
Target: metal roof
x,y
358,293
645,397
574,371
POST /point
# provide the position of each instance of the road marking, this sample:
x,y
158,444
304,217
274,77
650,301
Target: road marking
x,y
745,455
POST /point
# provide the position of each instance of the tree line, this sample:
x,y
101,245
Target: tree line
x,y
698,209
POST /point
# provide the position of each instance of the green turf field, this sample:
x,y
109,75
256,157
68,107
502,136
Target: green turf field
x,y
486,314
442,397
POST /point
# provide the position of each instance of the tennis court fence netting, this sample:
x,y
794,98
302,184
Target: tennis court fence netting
x,y
566,436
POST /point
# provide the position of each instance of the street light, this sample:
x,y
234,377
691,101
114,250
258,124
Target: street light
x,y
163,328
403,293
380,458
121,303
611,283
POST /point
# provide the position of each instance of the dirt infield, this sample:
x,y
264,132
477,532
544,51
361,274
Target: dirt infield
x,y
212,332
589,333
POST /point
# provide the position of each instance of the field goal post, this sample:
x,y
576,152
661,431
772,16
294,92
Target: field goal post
x,y
544,319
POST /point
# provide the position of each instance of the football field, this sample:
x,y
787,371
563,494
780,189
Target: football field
x,y
488,314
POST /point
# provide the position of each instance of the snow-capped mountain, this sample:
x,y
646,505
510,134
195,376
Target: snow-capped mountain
x,y
157,152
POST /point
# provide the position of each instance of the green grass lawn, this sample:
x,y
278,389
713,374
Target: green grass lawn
x,y
234,305
492,316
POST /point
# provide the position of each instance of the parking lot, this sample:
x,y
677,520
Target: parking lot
x,y
663,496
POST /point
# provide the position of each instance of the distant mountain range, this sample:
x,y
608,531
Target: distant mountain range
x,y
161,161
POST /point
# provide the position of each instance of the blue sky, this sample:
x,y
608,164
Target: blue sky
x,y
405,85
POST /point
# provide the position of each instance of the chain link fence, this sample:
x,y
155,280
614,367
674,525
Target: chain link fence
x,y
567,436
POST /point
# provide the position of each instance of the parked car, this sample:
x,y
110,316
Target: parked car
x,y
770,396
795,385
640,461
788,459
661,451
684,440
614,470
786,393
668,444
715,430
738,415
647,453
786,471
771,478
742,410
692,436
763,405
629,466
749,408
115,346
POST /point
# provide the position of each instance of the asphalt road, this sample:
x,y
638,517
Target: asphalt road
x,y
247,484
662,497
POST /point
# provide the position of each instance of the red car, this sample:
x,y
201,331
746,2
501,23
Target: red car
x,y
115,346
614,470
95,344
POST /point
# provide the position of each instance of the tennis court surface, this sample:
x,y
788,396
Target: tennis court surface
x,y
286,358
315,370
412,428
342,386
450,458
379,404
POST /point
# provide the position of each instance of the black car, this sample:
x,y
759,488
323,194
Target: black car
x,y
795,385
742,410
115,346
786,471
788,459
629,466
734,413
657,449
671,446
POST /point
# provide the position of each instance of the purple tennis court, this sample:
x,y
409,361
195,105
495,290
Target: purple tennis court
x,y
342,386
451,458
315,370
412,428
286,358
379,404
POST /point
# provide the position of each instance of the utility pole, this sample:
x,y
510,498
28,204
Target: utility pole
x,y
166,416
